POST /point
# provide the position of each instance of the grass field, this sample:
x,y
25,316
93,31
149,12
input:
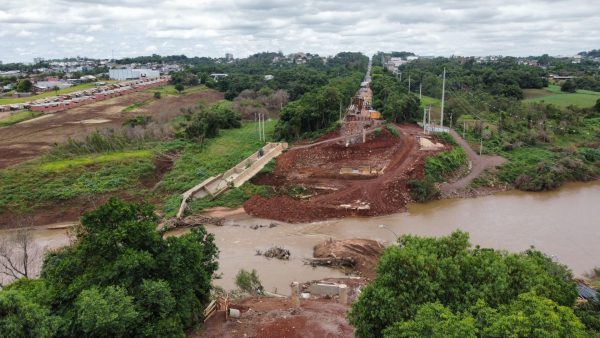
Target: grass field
x,y
428,100
19,116
217,155
94,159
170,90
75,88
553,95
33,185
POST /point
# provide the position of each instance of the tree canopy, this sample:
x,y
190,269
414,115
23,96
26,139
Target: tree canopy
x,y
121,278
423,279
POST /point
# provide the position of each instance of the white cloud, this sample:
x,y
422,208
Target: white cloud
x,y
59,28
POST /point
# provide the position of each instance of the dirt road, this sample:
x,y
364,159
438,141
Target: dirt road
x,y
478,165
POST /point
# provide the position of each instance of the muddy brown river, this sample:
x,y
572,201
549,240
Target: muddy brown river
x,y
562,223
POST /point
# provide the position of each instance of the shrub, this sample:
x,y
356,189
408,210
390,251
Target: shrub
x,y
442,165
446,138
423,190
392,129
249,282
157,95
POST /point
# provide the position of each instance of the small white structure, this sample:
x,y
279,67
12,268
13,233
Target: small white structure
x,y
132,74
269,77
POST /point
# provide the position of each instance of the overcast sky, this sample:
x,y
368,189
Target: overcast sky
x,y
94,28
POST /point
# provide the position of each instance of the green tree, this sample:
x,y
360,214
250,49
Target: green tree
x,y
434,320
179,88
24,86
533,316
105,312
158,286
597,106
529,315
569,87
447,270
21,316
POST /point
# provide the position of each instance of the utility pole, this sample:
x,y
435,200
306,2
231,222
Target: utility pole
x,y
420,87
480,146
340,110
400,77
443,95
424,118
264,133
259,126
409,83
429,124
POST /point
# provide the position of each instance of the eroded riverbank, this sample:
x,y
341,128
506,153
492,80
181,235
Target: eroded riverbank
x,y
561,223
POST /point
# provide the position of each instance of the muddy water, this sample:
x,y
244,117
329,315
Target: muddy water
x,y
562,223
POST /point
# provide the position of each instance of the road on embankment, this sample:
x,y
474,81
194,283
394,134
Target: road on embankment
x,y
479,163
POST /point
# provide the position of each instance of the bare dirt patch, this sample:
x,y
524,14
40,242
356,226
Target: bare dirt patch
x,y
360,180
276,317
24,141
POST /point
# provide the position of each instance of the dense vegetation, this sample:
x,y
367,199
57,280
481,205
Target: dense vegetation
x,y
317,109
392,99
125,162
428,287
506,77
546,144
120,278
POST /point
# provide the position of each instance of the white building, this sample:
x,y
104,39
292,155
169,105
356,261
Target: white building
x,y
132,74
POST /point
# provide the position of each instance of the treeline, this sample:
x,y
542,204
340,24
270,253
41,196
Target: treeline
x,y
587,82
318,108
391,98
296,79
154,58
506,77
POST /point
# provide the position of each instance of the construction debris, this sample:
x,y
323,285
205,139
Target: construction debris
x,y
258,226
276,252
191,221
359,255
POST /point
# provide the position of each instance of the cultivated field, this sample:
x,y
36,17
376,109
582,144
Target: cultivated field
x,y
553,95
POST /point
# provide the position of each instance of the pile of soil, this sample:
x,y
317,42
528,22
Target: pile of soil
x,y
393,162
364,252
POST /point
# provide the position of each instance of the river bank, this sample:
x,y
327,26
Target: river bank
x,y
560,223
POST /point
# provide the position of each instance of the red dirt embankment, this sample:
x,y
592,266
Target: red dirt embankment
x,y
392,160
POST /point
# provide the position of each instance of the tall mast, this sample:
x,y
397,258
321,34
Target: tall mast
x,y
443,96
